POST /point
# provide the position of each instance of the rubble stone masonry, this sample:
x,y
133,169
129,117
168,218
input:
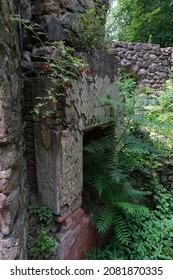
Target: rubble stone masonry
x,y
13,168
149,64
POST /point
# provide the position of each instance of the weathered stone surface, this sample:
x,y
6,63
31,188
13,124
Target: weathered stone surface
x,y
13,191
60,18
25,9
51,7
72,5
53,28
2,200
9,249
143,61
3,136
141,72
59,154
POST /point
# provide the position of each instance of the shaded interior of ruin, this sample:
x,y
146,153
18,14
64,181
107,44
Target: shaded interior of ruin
x,y
89,195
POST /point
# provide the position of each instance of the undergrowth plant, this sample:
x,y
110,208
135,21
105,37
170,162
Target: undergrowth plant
x,y
41,243
129,203
161,113
59,63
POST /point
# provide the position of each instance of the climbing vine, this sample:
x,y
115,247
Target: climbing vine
x,y
59,63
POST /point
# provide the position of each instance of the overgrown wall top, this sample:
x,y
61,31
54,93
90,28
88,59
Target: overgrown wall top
x,y
60,19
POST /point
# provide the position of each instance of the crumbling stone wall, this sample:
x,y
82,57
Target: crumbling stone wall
x,y
150,64
55,145
59,149
60,21
60,18
13,186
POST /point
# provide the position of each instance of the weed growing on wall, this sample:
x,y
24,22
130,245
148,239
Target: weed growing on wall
x,y
91,22
133,208
59,63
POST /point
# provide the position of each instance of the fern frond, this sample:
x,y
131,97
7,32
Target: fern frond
x,y
121,229
117,175
115,193
133,193
100,183
101,144
104,219
132,208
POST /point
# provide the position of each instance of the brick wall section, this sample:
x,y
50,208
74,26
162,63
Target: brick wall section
x,y
77,234
29,132
36,86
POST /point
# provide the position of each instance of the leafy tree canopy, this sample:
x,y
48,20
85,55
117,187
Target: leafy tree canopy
x,y
141,21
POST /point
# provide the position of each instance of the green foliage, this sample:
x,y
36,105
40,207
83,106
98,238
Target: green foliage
x,y
162,113
152,235
130,204
61,66
91,27
31,26
43,245
41,242
141,21
43,212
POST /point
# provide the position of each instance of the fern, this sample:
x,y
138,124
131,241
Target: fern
x,y
132,208
121,229
104,219
110,172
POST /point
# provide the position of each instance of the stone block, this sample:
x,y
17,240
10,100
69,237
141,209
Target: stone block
x,y
54,30
51,7
3,135
5,186
2,200
5,174
9,249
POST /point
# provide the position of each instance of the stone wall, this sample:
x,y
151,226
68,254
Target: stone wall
x,y
55,145
59,148
13,173
60,18
149,64
60,21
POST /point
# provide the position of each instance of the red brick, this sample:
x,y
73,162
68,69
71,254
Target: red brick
x,y
63,216
30,137
81,238
76,203
30,144
78,213
69,221
31,162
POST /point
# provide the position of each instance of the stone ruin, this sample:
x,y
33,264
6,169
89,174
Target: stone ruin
x,y
55,149
44,160
148,63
